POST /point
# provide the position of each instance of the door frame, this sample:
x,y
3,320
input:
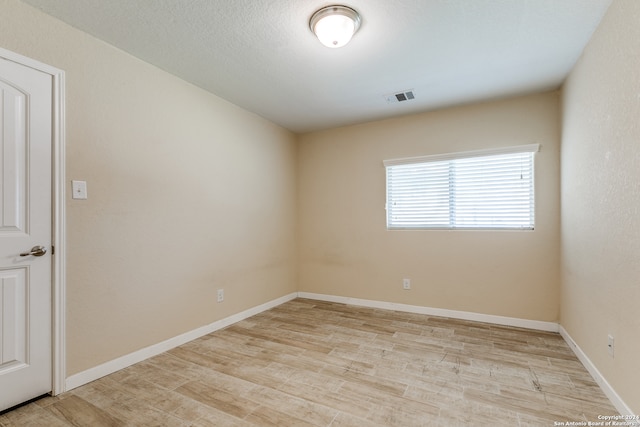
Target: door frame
x,y
58,197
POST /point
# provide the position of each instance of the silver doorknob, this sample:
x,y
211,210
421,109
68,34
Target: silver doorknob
x,y
35,251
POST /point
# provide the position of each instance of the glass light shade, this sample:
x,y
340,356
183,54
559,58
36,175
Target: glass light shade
x,y
334,30
335,25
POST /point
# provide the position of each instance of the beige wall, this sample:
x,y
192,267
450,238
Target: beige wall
x,y
601,200
345,249
187,194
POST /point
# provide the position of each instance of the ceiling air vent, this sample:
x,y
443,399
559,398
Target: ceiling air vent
x,y
406,95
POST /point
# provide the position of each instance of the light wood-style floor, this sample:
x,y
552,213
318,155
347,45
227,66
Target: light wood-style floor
x,y
311,363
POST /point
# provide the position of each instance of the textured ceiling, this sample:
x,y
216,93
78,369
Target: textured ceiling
x,y
261,55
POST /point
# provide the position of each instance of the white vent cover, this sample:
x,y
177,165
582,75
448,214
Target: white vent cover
x,y
406,95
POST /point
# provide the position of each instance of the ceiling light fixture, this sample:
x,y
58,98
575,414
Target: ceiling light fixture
x,y
335,25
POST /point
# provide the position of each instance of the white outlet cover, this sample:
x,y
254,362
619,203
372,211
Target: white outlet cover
x,y
79,190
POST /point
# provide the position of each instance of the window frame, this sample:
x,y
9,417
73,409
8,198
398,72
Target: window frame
x,y
450,157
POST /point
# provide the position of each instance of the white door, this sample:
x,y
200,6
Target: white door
x,y
25,224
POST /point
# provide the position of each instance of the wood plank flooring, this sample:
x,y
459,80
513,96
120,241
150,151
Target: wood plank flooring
x,y
311,363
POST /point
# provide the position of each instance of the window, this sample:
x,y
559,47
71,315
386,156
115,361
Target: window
x,y
487,189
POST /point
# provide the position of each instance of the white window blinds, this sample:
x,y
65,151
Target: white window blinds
x,y
491,189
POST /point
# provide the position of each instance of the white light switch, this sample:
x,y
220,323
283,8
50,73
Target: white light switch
x,y
79,190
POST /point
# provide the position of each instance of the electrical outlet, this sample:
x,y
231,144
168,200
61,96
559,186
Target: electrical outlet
x,y
406,284
610,345
220,295
79,190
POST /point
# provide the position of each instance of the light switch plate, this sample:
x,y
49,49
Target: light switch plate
x,y
79,190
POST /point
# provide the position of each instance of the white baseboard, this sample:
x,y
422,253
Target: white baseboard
x,y
615,399
112,366
440,312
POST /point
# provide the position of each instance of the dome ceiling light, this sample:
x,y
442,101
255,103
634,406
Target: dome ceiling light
x,y
335,25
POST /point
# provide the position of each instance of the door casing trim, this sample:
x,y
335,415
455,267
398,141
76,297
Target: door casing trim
x,y
58,197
